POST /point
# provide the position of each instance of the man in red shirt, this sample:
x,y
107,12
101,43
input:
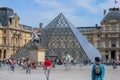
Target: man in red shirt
x,y
47,66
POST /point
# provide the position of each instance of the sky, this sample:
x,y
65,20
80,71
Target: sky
x,y
81,13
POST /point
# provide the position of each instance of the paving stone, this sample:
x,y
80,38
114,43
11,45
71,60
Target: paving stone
x,y
58,73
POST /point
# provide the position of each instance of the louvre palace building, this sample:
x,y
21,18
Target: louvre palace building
x,y
106,38
13,35
60,37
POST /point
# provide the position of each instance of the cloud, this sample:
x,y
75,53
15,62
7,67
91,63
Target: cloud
x,y
53,8
88,5
68,10
3,4
92,14
48,3
108,4
95,6
54,4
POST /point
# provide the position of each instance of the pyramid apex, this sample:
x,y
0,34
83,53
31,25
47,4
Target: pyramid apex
x,y
61,13
59,22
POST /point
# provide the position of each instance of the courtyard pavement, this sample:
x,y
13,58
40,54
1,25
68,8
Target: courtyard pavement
x,y
58,73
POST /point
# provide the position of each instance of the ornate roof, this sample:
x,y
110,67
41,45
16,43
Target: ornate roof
x,y
5,13
6,9
114,13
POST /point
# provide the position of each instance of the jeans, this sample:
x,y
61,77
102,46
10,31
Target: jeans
x,y
47,72
12,68
28,70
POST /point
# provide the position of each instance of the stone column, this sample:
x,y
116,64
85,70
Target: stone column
x,y
109,43
2,54
117,44
109,55
8,53
117,55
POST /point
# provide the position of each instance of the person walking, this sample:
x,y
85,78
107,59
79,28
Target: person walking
x,y
12,65
98,70
47,66
28,66
114,63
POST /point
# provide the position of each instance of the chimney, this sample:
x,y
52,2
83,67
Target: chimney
x,y
96,25
104,12
40,27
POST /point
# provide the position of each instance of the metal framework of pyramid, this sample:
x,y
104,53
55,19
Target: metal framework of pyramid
x,y
60,38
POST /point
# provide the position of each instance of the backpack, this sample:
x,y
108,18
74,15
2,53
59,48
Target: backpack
x,y
97,70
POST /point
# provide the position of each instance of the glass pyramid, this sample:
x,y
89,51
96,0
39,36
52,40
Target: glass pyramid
x,y
60,38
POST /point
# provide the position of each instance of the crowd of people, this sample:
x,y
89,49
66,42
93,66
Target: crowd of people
x,y
11,64
27,64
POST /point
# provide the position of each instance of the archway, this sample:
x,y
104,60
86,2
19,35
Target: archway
x,y
106,57
4,54
113,54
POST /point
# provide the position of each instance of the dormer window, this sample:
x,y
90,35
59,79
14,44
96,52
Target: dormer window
x,y
15,23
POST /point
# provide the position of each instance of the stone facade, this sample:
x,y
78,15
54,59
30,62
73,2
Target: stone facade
x,y
13,35
106,37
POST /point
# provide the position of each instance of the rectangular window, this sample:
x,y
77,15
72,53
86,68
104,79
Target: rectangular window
x,y
113,43
99,44
106,28
106,44
113,27
98,35
119,43
113,35
119,27
5,41
5,32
